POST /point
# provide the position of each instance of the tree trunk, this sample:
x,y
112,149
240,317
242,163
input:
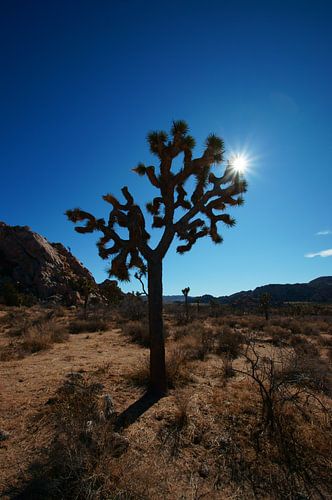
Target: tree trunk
x,y
158,379
186,306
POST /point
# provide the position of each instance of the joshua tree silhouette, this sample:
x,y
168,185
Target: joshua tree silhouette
x,y
265,301
197,218
185,292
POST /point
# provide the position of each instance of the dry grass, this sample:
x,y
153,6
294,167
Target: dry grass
x,y
81,459
229,342
31,336
137,331
208,438
89,325
42,336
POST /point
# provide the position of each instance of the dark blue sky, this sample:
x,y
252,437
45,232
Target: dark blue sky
x,y
83,82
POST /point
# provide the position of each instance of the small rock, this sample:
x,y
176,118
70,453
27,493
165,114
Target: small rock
x,y
109,408
51,401
204,471
4,435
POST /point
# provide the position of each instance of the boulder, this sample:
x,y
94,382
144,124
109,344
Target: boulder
x,y
38,267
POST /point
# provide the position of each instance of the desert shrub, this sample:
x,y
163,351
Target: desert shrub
x,y
229,342
311,329
295,326
256,323
278,334
19,326
137,331
87,325
241,322
81,459
133,308
282,322
139,375
11,351
292,434
297,340
227,366
181,332
198,341
232,321
12,296
42,335
259,464
177,367
308,369
206,342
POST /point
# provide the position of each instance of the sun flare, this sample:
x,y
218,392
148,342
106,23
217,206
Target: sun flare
x,y
239,163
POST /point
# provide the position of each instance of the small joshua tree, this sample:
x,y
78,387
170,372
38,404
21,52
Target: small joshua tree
x,y
265,302
188,218
139,275
85,287
185,292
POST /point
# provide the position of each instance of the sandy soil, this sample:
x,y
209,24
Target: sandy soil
x,y
27,384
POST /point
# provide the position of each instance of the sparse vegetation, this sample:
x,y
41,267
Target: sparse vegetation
x,y
248,411
89,325
137,331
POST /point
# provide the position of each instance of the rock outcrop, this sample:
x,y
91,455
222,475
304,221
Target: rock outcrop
x,y
37,266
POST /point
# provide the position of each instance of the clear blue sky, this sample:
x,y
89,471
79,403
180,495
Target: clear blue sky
x,y
82,82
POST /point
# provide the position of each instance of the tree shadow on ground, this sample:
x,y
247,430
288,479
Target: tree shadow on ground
x,y
136,410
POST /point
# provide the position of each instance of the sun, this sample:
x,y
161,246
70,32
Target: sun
x,y
239,163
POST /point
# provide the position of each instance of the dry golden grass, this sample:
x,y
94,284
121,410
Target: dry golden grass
x,y
89,325
206,439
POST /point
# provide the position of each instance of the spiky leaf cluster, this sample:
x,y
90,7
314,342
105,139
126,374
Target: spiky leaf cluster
x,y
203,209
125,252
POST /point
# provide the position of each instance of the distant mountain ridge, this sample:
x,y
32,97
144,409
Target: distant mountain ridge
x,y
317,290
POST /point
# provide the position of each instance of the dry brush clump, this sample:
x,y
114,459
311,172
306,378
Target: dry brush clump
x,y
178,429
89,325
32,335
196,339
229,342
285,447
279,336
43,335
133,308
138,332
179,369
82,459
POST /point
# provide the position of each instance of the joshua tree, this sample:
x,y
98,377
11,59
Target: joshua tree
x,y
85,287
265,302
188,218
185,292
139,275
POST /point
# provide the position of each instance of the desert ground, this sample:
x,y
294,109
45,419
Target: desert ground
x,y
248,414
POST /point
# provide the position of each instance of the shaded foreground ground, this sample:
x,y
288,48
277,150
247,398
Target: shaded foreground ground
x,y
208,439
